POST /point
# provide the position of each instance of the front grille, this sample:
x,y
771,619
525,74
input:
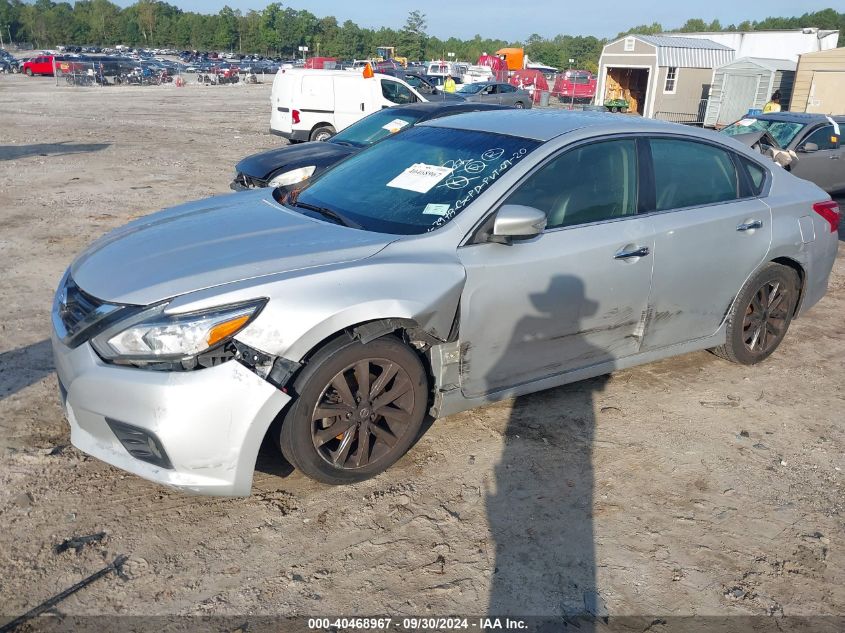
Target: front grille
x,y
77,308
77,316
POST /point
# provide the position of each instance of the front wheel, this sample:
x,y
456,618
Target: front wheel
x,y
29,72
322,133
519,105
358,410
761,315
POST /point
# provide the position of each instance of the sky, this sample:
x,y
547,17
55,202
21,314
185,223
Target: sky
x,y
517,19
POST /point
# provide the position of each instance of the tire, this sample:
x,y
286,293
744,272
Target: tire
x,y
623,110
338,458
29,72
614,109
519,105
754,329
322,133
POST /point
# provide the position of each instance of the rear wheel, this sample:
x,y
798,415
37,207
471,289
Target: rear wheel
x,y
761,315
358,410
519,105
322,133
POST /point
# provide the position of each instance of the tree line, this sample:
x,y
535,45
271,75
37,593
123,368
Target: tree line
x,y
278,31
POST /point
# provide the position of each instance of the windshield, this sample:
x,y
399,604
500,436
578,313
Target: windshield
x,y
416,181
375,127
470,88
782,131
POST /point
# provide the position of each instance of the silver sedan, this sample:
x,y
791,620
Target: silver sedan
x,y
495,92
463,261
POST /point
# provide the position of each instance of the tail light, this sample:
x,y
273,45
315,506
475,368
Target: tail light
x,y
829,210
294,115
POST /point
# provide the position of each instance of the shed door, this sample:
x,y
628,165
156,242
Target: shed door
x,y
738,96
826,93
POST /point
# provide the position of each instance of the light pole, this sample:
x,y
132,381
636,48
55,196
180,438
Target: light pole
x,y
303,50
572,81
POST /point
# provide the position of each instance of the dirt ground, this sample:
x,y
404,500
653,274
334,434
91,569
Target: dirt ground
x,y
689,486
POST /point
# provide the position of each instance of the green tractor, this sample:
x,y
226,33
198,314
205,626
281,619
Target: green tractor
x,y
617,105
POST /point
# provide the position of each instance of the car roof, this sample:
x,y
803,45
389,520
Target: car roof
x,y
544,125
795,117
432,107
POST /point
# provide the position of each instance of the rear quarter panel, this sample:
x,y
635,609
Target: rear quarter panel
x,y
801,234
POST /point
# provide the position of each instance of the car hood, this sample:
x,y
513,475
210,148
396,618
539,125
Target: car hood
x,y
212,242
321,154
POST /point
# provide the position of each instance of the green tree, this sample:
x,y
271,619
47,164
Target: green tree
x,y
412,37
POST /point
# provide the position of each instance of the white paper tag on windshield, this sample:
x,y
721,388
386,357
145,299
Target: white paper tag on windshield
x,y
394,126
435,209
747,122
420,177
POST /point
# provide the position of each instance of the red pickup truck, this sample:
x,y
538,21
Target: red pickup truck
x,y
577,85
41,65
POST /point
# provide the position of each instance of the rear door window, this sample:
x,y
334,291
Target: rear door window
x,y
689,173
756,174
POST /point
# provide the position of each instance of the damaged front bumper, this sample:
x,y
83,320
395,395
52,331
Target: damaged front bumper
x,y
243,182
196,431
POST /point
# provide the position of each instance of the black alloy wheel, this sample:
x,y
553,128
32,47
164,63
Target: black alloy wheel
x,y
362,413
761,314
357,409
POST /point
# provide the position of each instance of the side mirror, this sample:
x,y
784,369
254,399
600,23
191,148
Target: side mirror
x,y
809,147
517,222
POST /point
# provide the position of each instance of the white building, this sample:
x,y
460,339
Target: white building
x,y
786,44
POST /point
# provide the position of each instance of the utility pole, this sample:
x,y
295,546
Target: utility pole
x,y
572,81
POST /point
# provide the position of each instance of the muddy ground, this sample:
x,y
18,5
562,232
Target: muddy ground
x,y
690,486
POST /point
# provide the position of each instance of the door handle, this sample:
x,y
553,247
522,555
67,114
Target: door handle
x,y
747,226
642,251
834,157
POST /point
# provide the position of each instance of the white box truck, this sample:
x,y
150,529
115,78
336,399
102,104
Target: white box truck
x,y
313,105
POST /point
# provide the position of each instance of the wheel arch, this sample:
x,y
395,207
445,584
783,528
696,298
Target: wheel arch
x,y
782,260
802,279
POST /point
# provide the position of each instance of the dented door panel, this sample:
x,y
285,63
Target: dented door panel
x,y
552,304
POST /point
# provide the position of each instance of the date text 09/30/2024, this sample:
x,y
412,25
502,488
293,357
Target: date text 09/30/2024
x,y
417,624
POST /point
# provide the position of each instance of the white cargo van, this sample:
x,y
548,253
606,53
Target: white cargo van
x,y
313,105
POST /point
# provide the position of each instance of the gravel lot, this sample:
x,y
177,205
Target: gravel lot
x,y
690,486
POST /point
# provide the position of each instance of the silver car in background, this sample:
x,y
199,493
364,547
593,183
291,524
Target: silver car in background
x,y
499,92
464,261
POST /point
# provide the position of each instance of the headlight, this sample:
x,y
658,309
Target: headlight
x,y
152,336
292,177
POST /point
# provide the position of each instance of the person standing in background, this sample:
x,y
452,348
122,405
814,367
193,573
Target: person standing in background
x,y
449,84
774,103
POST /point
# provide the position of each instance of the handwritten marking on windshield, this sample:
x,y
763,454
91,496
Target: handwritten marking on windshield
x,y
492,154
456,182
477,189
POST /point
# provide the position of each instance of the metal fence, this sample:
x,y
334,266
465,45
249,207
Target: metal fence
x,y
693,116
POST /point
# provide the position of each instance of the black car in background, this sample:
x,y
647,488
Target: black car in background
x,y
292,164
